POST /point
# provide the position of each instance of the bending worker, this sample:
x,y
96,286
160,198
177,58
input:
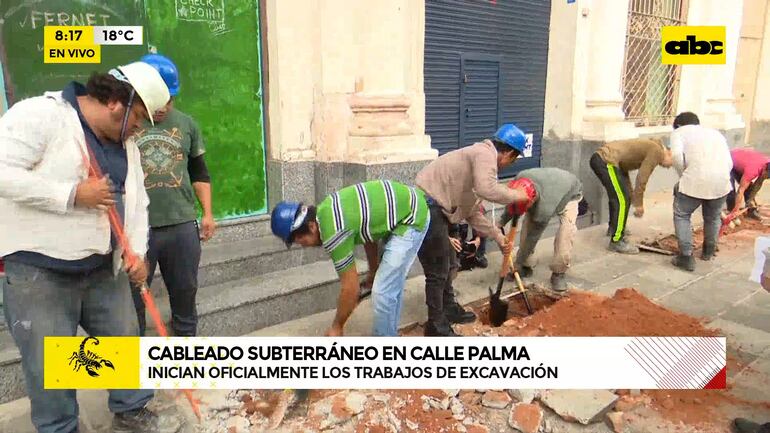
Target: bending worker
x,y
454,184
749,172
550,192
611,164
362,214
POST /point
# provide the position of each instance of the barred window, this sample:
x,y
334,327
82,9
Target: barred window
x,y
650,88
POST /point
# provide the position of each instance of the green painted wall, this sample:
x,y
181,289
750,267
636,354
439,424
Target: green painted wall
x,y
218,56
216,49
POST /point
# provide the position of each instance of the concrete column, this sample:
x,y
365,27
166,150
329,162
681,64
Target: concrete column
x,y
604,118
721,112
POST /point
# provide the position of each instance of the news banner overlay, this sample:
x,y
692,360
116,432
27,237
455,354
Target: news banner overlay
x,y
693,45
119,35
82,44
385,363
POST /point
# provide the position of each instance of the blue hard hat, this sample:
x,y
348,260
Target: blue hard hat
x,y
286,217
167,70
511,135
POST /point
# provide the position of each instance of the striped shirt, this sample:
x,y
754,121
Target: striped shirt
x,y
367,212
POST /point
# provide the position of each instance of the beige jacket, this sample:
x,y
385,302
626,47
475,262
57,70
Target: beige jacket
x,y
458,180
641,154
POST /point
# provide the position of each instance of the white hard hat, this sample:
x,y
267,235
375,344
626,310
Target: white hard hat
x,y
147,83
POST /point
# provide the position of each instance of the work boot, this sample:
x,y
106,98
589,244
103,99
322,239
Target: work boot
x,y
482,262
558,282
684,262
442,329
708,253
623,247
144,421
455,313
743,425
753,213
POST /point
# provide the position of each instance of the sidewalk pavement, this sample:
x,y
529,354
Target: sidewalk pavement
x,y
719,291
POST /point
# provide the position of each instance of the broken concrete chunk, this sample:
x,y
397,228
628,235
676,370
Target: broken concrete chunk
x,y
616,421
457,407
411,424
524,395
451,392
238,424
445,403
526,417
461,428
394,420
218,399
583,406
382,398
477,428
425,406
496,399
338,408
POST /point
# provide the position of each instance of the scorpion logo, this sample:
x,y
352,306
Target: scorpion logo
x,y
91,361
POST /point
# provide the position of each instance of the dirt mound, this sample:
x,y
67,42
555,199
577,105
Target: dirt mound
x,y
628,313
731,239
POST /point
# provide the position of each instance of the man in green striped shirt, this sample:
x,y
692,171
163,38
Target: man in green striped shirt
x,y
362,214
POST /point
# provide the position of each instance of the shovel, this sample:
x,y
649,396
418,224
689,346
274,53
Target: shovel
x,y
726,222
498,309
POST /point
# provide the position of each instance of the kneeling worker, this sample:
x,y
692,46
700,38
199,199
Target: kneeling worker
x,y
550,192
362,214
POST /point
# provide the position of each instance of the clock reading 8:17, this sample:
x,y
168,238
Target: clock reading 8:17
x,y
69,35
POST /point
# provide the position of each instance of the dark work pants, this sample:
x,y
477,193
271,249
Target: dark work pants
x,y
617,184
177,249
437,257
735,181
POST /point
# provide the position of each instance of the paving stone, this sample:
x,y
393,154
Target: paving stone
x,y
613,266
747,339
583,406
749,315
708,296
526,417
647,286
752,383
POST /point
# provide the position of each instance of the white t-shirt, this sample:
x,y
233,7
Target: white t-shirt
x,y
702,159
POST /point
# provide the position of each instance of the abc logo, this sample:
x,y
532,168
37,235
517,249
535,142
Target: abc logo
x,y
694,46
682,45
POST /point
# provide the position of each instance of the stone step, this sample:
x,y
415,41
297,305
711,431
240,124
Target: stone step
x,y
241,228
232,308
238,259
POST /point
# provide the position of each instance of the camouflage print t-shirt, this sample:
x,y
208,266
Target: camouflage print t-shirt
x,y
166,148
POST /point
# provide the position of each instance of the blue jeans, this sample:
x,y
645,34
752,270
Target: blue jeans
x,y
684,207
388,288
38,303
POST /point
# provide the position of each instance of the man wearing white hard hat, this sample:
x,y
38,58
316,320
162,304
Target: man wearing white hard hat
x,y
63,264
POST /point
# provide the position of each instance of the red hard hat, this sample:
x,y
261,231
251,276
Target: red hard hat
x,y
528,188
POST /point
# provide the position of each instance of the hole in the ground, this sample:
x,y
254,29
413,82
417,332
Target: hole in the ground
x,y
516,306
